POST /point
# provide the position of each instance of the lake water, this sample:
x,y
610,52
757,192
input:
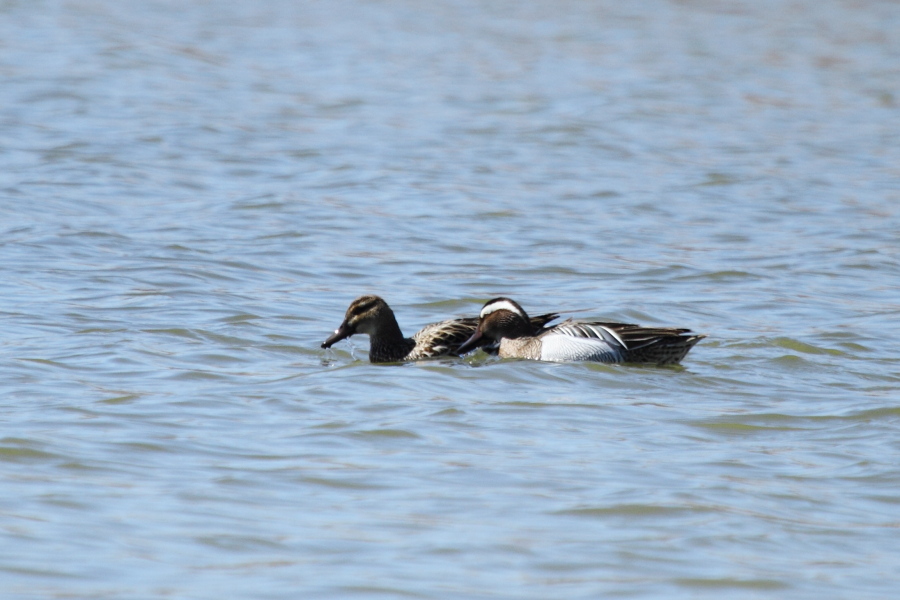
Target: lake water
x,y
191,193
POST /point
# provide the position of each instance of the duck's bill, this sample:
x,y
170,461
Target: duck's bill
x,y
471,343
340,333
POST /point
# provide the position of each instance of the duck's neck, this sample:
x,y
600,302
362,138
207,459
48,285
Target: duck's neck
x,y
387,344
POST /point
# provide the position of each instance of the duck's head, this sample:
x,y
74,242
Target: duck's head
x,y
363,316
499,318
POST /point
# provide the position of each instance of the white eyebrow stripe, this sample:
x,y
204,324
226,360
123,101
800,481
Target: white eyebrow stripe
x,y
501,305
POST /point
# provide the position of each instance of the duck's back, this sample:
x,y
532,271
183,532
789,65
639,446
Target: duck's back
x,y
603,342
442,338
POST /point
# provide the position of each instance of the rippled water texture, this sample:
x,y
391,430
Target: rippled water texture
x,y
191,193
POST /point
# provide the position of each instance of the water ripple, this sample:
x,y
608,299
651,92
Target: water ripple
x,y
191,198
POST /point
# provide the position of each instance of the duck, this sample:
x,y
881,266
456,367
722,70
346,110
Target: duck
x,y
503,320
371,315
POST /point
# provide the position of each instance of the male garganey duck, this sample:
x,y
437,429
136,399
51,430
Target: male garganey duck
x,y
371,315
503,320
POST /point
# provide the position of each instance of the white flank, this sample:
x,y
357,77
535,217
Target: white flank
x,y
501,305
565,348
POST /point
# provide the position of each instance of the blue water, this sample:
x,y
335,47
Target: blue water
x,y
192,193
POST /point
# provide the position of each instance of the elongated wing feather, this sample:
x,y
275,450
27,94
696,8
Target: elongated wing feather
x,y
636,337
539,323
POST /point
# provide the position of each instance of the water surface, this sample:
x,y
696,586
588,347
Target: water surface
x,y
192,193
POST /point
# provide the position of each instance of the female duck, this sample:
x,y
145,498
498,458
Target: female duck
x,y
371,315
503,320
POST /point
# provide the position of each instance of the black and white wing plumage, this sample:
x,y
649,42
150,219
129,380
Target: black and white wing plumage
x,y
621,342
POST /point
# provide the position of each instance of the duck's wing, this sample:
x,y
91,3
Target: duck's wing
x,y
444,337
587,330
636,337
658,345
